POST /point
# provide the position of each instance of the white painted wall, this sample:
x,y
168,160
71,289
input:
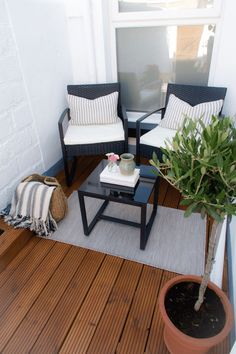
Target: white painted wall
x,y
87,41
41,35
80,40
224,74
20,152
35,67
232,250
218,267
223,71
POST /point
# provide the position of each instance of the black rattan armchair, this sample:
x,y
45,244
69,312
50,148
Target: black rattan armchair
x,y
72,150
193,95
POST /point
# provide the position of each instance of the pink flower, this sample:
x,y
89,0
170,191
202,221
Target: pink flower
x,y
112,157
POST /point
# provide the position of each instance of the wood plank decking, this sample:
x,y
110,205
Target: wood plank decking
x,y
57,298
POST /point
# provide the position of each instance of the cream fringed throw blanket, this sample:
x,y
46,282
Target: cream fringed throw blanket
x,y
30,208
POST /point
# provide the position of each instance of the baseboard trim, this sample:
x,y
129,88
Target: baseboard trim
x,y
59,166
55,169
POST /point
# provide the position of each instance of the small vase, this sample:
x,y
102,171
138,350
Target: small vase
x,y
127,164
112,166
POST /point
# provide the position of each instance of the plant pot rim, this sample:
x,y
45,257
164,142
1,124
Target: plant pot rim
x,y
225,302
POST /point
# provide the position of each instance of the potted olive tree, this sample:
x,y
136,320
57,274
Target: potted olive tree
x,y
201,163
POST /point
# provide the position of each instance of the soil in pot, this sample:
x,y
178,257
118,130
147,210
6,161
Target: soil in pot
x,y
206,322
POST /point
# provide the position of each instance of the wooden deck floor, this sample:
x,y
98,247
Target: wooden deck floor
x,y
57,298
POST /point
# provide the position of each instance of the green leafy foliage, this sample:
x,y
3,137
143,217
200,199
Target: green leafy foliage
x,y
201,163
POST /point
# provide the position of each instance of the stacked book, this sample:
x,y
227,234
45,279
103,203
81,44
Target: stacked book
x,y
117,178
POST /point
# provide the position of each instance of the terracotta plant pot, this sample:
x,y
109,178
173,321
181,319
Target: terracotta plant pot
x,y
179,343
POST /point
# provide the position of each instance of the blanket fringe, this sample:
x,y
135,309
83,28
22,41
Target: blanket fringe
x,y
39,226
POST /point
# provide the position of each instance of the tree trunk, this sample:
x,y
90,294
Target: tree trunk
x,y
213,243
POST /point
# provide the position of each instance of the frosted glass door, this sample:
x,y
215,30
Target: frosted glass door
x,y
150,57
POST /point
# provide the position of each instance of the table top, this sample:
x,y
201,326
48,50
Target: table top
x,y
139,194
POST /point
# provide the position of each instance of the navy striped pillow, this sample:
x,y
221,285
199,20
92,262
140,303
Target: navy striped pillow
x,y
177,110
101,110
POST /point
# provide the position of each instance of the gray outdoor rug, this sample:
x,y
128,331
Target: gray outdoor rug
x,y
175,243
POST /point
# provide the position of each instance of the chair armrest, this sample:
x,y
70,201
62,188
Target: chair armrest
x,y
138,122
63,122
124,113
125,124
138,131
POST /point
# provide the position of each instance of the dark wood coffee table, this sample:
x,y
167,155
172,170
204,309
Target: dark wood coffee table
x,y
139,196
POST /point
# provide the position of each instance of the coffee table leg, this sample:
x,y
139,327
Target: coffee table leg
x,y
143,235
83,214
156,192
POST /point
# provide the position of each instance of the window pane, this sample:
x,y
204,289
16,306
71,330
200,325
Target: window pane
x,y
150,57
152,5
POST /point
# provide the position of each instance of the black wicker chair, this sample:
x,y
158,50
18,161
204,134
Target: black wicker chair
x,y
72,151
188,93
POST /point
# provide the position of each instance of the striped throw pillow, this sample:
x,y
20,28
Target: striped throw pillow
x,y
101,110
177,110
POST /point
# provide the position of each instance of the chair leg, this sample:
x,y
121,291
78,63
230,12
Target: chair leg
x,y
69,172
73,169
126,146
66,169
137,153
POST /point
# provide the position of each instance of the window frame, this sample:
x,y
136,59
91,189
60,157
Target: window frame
x,y
156,19
164,14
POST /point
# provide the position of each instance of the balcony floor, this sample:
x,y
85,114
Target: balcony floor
x,y
61,298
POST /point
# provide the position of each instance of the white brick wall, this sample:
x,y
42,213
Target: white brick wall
x,y
9,70
20,153
22,116
6,127
12,94
3,13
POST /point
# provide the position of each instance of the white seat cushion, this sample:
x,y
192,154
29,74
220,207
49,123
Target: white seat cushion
x,y
157,136
92,134
177,110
